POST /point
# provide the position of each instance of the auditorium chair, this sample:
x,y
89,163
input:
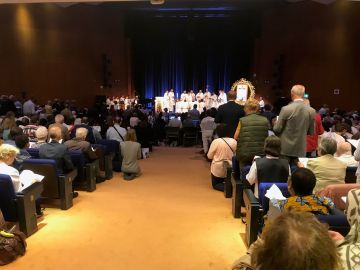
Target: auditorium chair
x,y
34,152
172,134
86,171
350,175
238,182
228,189
19,207
57,186
255,210
105,160
190,134
112,149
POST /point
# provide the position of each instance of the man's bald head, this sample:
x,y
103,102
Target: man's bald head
x,y
297,91
343,148
81,133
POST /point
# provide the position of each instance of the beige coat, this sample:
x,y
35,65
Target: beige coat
x,y
328,171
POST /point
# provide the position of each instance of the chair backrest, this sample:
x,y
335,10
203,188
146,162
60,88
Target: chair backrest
x,y
235,168
336,221
34,152
7,198
79,161
46,167
350,175
172,131
263,187
112,146
190,131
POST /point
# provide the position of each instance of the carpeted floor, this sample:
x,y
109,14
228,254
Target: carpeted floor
x,y
169,218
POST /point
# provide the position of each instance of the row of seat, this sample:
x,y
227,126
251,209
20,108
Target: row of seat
x,y
189,135
256,208
56,188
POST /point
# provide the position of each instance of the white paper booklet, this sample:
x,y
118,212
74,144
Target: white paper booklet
x,y
274,193
28,177
355,143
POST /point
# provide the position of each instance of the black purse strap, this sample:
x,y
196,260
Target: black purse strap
x,y
119,133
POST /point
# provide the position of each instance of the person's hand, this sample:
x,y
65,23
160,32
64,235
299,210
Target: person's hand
x,y
335,236
300,164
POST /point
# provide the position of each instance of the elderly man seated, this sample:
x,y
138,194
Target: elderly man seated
x,y
41,136
343,154
327,169
80,143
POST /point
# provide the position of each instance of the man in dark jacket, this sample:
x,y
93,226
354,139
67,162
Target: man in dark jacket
x,y
229,114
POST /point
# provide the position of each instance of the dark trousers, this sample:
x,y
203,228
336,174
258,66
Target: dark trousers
x,y
217,183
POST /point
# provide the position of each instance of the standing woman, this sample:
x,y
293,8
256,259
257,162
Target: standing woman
x,y
251,133
131,152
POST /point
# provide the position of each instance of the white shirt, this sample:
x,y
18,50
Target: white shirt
x,y
111,133
349,160
13,173
219,152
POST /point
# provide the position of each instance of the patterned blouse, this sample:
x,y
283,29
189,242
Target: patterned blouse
x,y
311,203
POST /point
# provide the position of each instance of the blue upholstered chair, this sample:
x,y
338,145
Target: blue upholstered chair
x,y
263,187
86,172
34,152
113,149
105,159
56,186
19,207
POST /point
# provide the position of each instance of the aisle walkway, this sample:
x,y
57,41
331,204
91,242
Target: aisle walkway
x,y
169,218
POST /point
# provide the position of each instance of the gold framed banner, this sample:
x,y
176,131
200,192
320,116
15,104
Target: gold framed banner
x,y
244,90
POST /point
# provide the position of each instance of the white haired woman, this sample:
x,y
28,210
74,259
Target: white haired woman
x,y
7,157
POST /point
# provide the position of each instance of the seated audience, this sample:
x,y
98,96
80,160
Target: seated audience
x,y
41,135
207,126
175,122
115,131
357,158
337,134
21,142
90,137
56,151
59,122
301,185
221,149
327,169
294,241
6,125
188,122
7,157
80,143
131,152
343,154
30,129
349,247
270,168
14,132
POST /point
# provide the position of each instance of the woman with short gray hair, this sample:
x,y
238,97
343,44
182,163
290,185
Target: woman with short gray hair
x,y
327,169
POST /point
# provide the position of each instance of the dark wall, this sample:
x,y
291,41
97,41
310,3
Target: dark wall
x,y
47,51
312,44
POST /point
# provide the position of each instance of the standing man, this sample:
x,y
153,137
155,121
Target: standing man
x,y
294,123
229,114
171,100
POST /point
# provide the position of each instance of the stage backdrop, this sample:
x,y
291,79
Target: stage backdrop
x,y
183,52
